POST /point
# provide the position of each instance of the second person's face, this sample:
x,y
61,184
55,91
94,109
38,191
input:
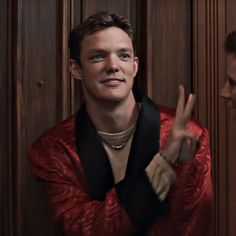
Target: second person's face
x,y
108,65
229,90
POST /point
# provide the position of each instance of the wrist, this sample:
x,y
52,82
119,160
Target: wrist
x,y
168,159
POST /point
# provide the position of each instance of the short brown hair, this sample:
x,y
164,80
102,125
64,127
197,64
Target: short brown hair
x,y
92,24
230,43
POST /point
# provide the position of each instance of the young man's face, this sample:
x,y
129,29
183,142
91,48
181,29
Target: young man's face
x,y
229,90
108,65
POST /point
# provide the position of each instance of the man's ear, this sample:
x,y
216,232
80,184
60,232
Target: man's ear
x,y
74,69
136,64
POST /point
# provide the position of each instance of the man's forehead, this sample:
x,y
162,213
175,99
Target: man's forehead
x,y
113,31
106,39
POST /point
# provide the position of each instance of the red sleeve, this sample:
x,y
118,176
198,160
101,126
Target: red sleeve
x,y
198,191
191,200
58,167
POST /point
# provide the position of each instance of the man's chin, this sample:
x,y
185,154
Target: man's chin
x,y
116,97
112,99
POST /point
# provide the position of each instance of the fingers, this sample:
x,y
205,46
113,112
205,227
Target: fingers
x,y
180,104
179,133
189,108
183,113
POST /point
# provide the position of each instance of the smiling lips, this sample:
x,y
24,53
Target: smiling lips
x,y
113,81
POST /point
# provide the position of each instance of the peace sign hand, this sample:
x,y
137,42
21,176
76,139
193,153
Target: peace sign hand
x,y
181,144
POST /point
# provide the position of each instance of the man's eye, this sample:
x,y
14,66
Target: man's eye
x,y
125,56
97,57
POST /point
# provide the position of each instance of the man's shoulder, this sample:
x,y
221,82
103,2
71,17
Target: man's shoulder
x,y
64,130
53,151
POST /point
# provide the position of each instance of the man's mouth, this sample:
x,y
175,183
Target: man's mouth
x,y
113,81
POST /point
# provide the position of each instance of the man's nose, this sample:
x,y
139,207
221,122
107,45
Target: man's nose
x,y
112,64
226,91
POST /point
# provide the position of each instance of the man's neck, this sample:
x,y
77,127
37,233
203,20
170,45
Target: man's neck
x,y
113,117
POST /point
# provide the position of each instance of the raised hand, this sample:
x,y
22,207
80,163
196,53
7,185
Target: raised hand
x,y
181,144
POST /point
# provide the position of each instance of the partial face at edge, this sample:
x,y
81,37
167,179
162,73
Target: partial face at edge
x,y
229,90
108,65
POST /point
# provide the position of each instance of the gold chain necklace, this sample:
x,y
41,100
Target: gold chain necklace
x,y
117,141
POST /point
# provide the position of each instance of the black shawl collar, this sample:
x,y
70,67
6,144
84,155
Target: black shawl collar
x,y
95,162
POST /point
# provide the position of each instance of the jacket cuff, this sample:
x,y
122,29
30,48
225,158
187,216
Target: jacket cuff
x,y
161,176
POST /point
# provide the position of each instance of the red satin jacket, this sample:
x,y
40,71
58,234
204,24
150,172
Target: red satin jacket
x,y
71,181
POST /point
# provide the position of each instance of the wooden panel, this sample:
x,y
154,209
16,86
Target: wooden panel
x,y
40,103
40,67
64,82
123,7
231,173
208,78
169,49
5,180
231,16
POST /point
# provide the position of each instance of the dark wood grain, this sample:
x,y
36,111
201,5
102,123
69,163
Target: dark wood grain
x,y
168,49
5,178
37,99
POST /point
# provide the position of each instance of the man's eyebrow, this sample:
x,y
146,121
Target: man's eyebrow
x,y
97,50
125,50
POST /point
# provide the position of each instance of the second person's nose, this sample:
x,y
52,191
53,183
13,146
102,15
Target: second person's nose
x,y
226,91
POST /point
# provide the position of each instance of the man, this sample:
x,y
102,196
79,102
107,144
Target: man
x,y
123,165
229,90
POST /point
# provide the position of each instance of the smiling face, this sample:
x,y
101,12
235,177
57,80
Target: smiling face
x,y
229,90
107,65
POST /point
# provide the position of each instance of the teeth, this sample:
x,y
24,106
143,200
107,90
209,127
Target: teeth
x,y
112,81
